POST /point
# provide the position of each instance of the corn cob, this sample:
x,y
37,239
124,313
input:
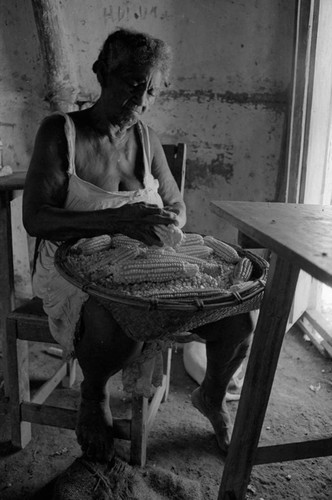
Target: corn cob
x,y
242,271
208,267
89,246
156,252
201,251
121,240
170,235
187,258
115,256
224,251
192,239
153,270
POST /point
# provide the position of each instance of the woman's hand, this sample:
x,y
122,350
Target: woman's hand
x,y
137,220
142,213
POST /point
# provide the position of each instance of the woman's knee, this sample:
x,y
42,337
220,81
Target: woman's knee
x,y
235,328
102,337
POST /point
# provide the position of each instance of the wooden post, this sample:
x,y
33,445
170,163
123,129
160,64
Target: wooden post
x,y
8,184
301,100
6,261
62,87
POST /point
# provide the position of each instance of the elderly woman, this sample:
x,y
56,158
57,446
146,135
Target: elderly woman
x,y
102,171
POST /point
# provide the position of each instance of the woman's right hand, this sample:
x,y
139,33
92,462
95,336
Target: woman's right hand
x,y
137,220
143,213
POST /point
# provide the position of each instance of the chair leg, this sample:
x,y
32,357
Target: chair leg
x,y
167,372
70,378
139,431
18,384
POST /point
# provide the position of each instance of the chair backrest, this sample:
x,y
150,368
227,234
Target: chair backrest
x,y
176,155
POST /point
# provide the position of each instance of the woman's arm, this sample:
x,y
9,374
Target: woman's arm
x,y
46,183
168,188
45,194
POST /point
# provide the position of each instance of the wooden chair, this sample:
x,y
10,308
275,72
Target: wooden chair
x,y
28,323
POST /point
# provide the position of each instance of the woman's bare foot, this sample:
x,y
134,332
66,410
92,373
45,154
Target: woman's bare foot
x,y
218,417
94,430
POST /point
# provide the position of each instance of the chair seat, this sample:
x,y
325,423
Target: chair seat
x,y
32,306
31,322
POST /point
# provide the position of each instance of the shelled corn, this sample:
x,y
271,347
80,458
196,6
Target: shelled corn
x,y
187,293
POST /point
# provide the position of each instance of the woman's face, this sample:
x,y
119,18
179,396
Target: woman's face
x,y
130,93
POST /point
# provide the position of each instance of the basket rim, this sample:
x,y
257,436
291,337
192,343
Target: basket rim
x,y
209,302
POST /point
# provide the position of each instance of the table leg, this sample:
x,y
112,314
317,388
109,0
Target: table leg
x,y
262,364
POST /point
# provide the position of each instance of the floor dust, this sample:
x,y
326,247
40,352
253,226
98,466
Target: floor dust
x,y
182,440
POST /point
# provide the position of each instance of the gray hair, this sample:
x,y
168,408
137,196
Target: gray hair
x,y
125,49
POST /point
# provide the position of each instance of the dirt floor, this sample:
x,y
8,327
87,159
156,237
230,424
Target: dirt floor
x,y
182,441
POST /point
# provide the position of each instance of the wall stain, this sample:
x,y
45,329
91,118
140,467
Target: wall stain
x,y
277,101
199,173
7,124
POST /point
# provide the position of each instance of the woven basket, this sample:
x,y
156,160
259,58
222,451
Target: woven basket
x,y
148,319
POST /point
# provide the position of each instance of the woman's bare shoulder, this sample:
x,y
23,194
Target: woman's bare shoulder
x,y
157,151
51,129
50,146
153,136
55,122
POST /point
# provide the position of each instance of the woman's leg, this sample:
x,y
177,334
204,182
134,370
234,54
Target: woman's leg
x,y
227,343
102,350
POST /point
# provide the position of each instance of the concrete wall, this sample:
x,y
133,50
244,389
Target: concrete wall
x,y
227,100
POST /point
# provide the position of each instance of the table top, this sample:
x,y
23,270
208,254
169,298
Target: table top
x,y
301,234
13,181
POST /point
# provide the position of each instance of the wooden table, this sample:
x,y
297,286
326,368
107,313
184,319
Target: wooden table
x,y
299,237
8,185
